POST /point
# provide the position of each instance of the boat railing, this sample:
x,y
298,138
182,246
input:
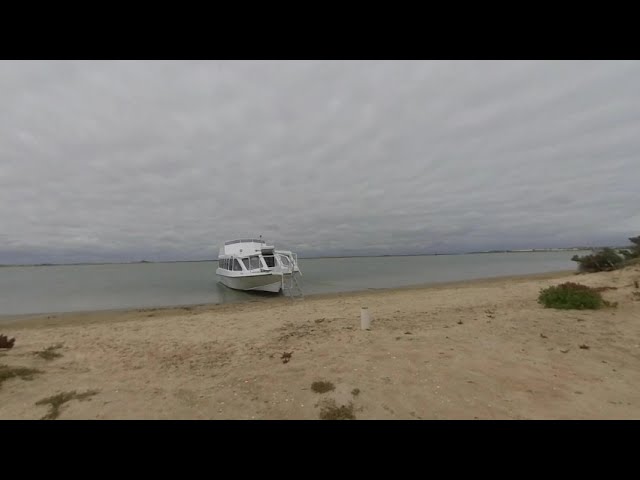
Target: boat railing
x,y
295,260
245,240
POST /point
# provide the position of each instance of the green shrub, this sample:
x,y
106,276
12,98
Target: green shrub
x,y
627,254
609,259
604,261
571,295
634,250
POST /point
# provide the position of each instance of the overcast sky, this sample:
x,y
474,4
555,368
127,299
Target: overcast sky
x,y
166,160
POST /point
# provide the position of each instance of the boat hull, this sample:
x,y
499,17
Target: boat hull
x,y
262,283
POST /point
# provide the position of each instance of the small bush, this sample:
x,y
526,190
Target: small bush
x,y
571,295
6,342
627,254
604,261
635,248
49,353
331,411
7,372
322,387
56,401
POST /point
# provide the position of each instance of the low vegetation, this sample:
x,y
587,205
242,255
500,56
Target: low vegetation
x,y
571,296
6,342
322,387
49,353
331,411
7,372
55,402
609,259
634,250
603,261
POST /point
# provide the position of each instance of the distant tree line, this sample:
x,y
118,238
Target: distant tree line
x,y
609,259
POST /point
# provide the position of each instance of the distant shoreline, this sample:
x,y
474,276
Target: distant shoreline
x,y
535,250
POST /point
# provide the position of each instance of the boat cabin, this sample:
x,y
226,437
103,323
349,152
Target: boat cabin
x,y
251,255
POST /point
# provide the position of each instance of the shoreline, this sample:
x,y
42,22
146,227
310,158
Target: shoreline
x,y
479,349
51,318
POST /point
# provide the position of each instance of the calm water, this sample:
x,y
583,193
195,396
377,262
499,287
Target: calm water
x,y
101,287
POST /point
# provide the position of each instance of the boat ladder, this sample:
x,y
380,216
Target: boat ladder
x,y
291,287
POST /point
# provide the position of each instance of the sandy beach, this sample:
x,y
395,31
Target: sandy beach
x,y
470,350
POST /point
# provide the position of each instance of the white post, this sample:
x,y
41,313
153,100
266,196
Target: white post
x,y
365,318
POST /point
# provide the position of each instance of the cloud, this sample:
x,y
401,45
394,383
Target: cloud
x,y
167,160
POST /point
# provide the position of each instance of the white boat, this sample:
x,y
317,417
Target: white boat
x,y
251,264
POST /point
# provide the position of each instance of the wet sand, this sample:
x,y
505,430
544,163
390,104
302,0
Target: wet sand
x,y
476,349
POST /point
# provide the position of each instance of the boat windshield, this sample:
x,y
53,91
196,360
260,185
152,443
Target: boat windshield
x,y
284,260
269,260
252,263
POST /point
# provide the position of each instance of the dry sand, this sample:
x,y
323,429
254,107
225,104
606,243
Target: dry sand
x,y
481,349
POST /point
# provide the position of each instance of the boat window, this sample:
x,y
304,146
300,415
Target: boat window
x,y
236,266
269,260
254,262
246,263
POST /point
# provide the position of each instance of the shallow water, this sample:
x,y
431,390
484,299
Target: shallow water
x,y
47,289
